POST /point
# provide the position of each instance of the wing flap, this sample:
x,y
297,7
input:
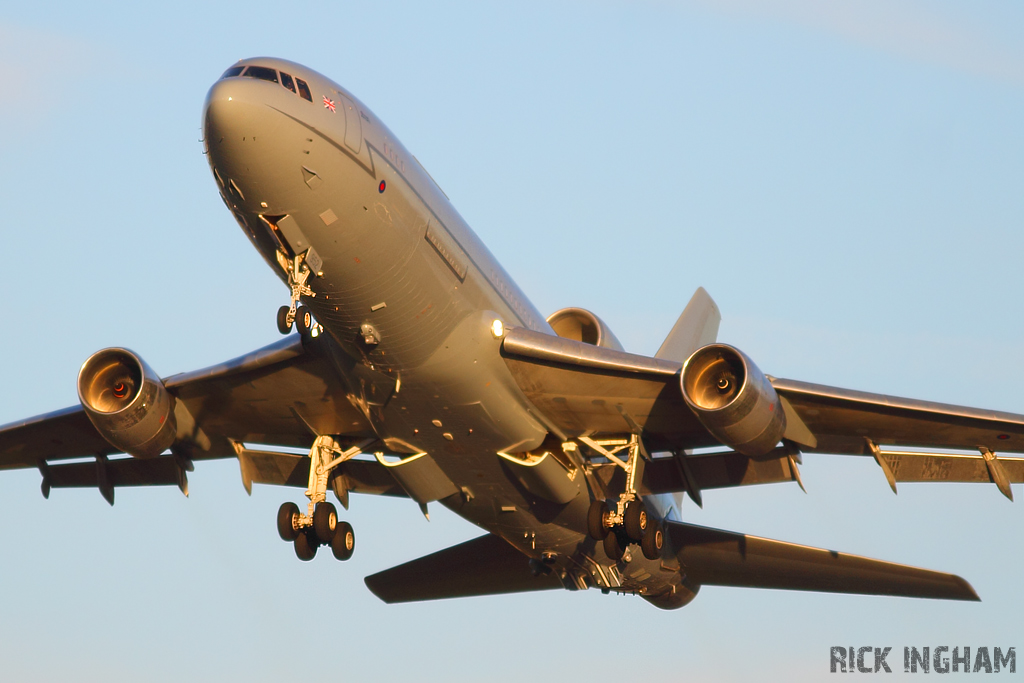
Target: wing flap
x,y
161,471
920,467
487,565
292,469
695,473
723,558
716,471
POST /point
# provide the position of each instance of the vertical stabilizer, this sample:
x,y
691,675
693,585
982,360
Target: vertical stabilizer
x,y
696,327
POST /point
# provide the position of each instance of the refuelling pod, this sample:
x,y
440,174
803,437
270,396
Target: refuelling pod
x,y
679,595
127,403
733,399
582,325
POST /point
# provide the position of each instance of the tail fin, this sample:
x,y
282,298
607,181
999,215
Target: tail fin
x,y
697,326
723,558
487,565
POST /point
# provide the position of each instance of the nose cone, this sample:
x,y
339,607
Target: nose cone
x,y
232,112
240,127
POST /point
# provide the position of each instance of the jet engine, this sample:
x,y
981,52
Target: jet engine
x,y
582,325
127,403
733,399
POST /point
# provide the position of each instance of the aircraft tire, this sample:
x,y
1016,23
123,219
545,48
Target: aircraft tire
x,y
595,520
303,320
285,521
612,548
283,326
305,547
635,520
344,542
653,541
325,522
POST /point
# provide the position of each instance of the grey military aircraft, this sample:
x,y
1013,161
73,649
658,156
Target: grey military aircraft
x,y
420,370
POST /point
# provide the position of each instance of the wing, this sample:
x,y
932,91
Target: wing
x,y
584,390
841,421
283,394
58,435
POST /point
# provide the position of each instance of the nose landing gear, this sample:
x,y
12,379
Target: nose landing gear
x,y
320,525
299,270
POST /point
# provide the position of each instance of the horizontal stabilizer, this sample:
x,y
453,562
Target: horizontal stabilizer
x,y
484,566
723,558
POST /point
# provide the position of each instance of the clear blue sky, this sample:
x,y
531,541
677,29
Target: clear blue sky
x,y
844,178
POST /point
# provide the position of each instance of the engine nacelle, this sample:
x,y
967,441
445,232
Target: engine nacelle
x,y
733,399
127,403
582,325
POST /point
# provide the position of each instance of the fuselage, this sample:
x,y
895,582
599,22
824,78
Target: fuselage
x,y
405,288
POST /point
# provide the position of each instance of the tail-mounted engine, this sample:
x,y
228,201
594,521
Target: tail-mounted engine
x,y
582,325
733,399
127,403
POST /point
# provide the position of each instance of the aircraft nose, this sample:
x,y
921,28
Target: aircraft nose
x,y
237,125
230,110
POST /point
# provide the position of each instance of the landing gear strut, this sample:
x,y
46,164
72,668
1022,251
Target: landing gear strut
x,y
299,270
319,525
628,521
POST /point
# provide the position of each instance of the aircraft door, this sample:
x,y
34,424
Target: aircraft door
x,y
353,126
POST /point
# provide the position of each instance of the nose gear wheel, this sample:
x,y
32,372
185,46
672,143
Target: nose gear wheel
x,y
299,272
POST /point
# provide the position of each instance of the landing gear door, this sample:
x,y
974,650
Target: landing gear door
x,y
293,235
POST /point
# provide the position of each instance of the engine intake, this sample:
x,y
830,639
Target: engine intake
x,y
582,325
733,399
127,403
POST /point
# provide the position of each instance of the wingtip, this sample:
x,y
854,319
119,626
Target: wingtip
x,y
369,581
968,594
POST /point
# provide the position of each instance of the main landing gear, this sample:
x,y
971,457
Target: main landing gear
x,y
299,271
628,521
320,524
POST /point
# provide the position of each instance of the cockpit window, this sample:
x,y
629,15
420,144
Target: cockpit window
x,y
287,82
261,72
304,89
233,71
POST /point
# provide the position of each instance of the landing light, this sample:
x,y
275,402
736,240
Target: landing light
x,y
497,329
